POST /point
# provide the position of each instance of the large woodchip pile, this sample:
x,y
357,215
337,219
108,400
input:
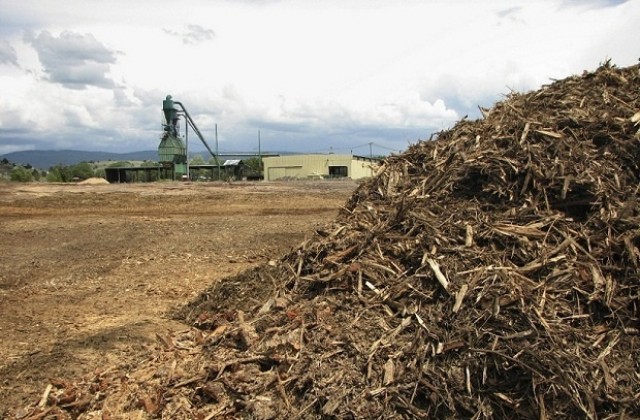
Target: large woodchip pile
x,y
492,272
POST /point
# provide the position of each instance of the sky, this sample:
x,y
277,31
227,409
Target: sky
x,y
343,76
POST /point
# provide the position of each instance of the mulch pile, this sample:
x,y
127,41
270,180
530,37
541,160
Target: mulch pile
x,y
94,181
492,272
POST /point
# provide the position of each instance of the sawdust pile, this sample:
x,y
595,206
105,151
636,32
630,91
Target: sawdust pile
x,y
489,273
94,181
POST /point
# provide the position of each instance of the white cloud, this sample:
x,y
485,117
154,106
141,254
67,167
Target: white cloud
x,y
73,60
7,53
307,74
192,34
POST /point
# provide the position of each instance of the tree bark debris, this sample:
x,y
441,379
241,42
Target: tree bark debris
x,y
528,305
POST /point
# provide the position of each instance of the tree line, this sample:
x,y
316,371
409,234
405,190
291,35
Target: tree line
x,y
85,170
58,173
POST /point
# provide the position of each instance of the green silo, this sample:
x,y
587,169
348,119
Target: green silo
x,y
172,149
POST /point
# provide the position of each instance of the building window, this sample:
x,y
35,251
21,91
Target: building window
x,y
338,171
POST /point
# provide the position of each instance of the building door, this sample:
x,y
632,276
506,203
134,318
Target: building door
x,y
338,172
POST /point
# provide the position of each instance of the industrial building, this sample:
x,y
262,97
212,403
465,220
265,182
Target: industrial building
x,y
173,155
173,159
318,166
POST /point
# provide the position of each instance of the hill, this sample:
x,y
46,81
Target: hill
x,y
45,159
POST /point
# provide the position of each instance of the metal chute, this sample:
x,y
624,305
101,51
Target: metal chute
x,y
173,149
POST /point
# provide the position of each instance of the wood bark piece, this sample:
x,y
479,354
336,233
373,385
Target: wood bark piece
x,y
45,396
439,276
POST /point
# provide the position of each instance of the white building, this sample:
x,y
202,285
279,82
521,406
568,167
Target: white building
x,y
318,166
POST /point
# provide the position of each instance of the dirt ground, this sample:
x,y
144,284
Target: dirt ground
x,y
90,273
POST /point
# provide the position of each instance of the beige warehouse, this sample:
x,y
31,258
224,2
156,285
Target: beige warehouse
x,y
318,166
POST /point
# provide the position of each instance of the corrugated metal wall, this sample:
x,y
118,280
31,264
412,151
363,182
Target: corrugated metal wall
x,y
361,168
316,166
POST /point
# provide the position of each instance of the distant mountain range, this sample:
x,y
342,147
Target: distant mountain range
x,y
45,159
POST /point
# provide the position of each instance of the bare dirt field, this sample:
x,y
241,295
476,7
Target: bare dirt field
x,y
90,273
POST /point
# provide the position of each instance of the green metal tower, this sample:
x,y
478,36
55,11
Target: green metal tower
x,y
172,149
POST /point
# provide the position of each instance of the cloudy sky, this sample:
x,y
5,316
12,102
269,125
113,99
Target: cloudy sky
x,y
309,75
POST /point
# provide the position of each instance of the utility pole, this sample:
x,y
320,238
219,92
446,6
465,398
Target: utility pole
x,y
217,154
259,154
186,145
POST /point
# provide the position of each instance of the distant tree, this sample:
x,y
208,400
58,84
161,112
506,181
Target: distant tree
x,y
197,160
6,168
54,175
120,164
253,163
197,173
59,173
253,167
21,174
35,174
148,163
82,170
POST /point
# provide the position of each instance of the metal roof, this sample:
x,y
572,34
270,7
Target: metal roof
x,y
232,162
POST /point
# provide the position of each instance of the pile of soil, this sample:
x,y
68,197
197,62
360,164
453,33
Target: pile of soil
x,y
491,272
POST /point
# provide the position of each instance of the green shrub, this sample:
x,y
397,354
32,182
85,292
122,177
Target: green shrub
x,y
21,174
